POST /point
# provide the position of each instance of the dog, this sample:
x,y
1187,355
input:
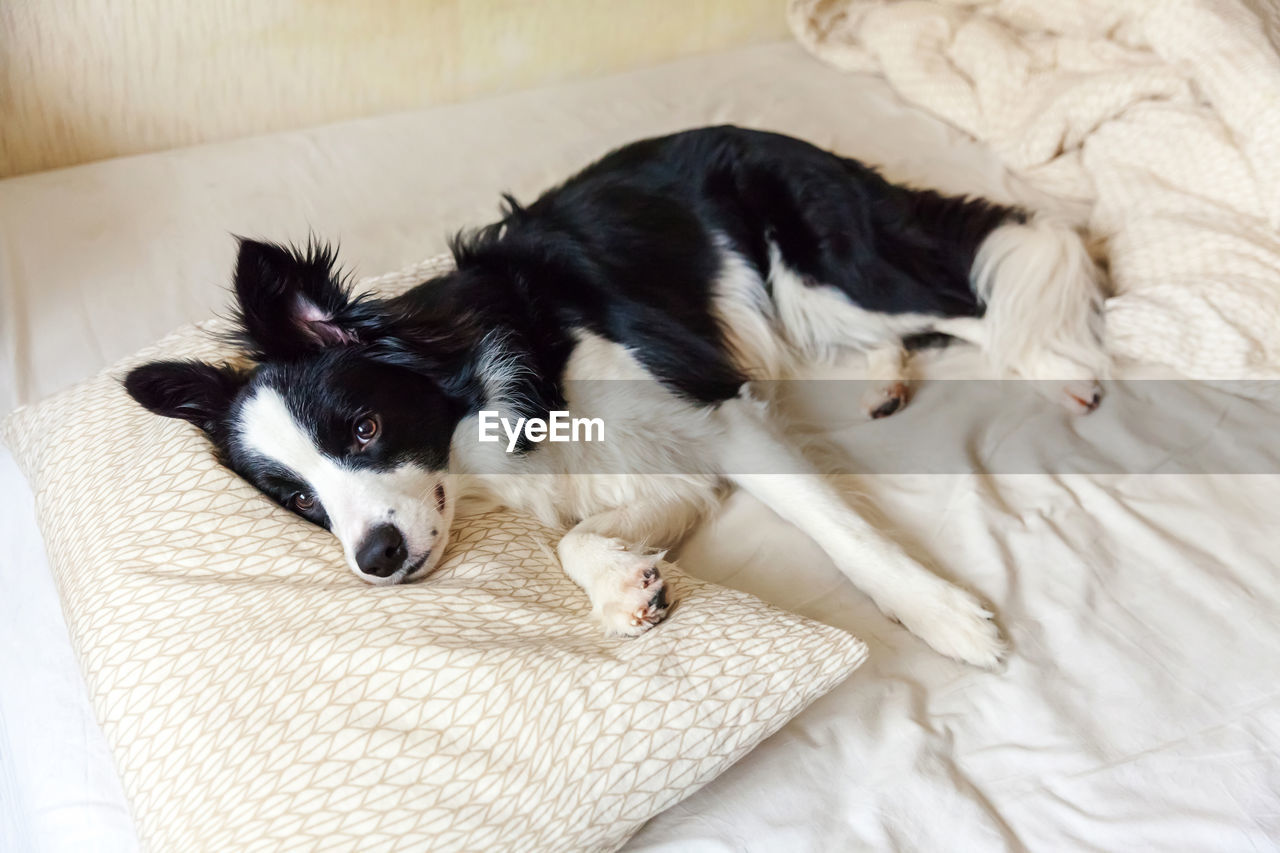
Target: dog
x,y
695,265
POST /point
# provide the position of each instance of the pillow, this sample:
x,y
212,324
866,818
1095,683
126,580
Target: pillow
x,y
257,695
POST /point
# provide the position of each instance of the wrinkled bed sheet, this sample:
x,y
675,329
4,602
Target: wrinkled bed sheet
x,y
1139,708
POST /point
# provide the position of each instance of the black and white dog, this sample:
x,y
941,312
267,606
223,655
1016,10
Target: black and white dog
x,y
695,264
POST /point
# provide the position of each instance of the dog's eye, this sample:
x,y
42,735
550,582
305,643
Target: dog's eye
x,y
366,429
303,502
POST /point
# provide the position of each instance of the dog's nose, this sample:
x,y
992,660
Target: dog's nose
x,y
382,552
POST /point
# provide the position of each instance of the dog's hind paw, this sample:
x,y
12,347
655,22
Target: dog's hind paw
x,y
1081,397
883,399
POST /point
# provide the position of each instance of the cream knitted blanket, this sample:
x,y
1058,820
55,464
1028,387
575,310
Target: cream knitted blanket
x,y
1163,116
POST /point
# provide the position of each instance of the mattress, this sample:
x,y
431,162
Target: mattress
x,y
1131,554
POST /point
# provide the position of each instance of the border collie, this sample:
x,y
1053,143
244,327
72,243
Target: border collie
x,y
698,263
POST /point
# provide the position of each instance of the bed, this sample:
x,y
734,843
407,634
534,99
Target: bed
x,y
1130,555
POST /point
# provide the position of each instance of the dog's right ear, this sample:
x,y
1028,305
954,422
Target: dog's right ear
x,y
194,391
291,300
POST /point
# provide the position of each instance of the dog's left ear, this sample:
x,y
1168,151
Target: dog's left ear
x,y
194,391
291,301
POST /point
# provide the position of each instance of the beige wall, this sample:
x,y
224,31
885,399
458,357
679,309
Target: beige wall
x,y
86,79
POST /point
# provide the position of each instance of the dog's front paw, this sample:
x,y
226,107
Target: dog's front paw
x,y
955,624
630,595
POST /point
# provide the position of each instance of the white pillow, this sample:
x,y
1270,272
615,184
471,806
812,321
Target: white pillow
x,y
257,695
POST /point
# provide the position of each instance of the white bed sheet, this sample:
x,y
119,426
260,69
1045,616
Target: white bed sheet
x,y
59,791
1139,708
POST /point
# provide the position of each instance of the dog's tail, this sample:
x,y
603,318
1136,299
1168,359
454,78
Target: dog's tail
x,y
1043,295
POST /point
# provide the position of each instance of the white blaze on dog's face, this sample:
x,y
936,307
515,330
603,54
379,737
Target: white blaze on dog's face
x,y
392,518
354,445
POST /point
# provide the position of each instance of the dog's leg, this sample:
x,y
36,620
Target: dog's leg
x,y
887,381
610,556
764,464
967,329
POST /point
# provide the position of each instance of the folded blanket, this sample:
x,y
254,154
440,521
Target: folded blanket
x,y
1163,116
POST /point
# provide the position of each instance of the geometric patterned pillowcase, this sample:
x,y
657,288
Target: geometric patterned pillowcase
x,y
256,695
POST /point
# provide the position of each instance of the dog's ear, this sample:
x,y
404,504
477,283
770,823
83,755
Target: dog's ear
x,y
291,301
191,390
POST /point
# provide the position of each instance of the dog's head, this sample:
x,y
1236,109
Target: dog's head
x,y
333,422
